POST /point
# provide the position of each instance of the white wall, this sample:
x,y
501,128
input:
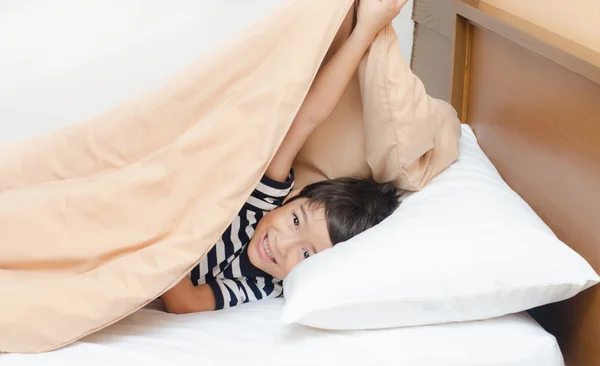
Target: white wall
x,y
66,61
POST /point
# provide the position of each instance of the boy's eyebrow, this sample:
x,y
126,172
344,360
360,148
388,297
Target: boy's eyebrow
x,y
304,215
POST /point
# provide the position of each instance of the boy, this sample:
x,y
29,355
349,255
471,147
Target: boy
x,y
269,237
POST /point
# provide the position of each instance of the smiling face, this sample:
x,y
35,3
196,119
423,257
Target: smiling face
x,y
286,236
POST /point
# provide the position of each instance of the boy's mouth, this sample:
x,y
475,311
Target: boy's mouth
x,y
265,250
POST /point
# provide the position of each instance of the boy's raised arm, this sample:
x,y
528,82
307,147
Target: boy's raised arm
x,y
331,82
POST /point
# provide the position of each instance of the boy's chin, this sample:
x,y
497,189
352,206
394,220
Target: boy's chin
x,y
254,257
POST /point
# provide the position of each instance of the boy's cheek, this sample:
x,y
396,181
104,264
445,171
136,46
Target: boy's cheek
x,y
279,273
286,270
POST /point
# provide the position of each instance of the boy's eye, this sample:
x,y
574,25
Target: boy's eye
x,y
296,221
305,253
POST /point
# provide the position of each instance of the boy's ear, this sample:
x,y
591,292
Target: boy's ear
x,y
292,194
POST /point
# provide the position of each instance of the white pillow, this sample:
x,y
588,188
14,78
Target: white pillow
x,y
466,247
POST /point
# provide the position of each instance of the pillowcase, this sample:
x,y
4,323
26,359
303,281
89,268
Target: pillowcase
x,y
410,137
466,247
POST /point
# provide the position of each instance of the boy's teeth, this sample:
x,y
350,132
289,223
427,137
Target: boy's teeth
x,y
266,246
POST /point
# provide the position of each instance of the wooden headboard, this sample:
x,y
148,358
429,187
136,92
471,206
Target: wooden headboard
x,y
532,98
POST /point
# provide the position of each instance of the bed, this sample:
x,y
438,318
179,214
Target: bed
x,y
495,53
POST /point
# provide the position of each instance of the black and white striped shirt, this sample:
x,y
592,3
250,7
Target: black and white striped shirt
x,y
226,267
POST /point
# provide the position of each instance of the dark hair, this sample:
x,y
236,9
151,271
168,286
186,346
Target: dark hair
x,y
352,205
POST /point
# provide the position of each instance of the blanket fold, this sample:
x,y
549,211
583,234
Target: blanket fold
x,y
98,219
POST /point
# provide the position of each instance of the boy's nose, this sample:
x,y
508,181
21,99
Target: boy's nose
x,y
286,242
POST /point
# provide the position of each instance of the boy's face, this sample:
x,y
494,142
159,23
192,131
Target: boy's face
x,y
286,236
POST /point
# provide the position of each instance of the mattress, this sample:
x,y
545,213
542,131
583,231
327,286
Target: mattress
x,y
252,334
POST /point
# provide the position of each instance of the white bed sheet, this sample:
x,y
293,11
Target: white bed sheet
x,y
252,335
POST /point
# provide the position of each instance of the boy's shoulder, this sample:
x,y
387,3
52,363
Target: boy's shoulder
x,y
269,193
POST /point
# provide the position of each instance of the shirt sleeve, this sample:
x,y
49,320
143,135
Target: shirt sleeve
x,y
269,194
232,292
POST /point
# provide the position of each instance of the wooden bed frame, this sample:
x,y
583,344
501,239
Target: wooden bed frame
x,y
533,99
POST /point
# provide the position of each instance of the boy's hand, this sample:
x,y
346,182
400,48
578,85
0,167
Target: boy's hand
x,y
373,15
186,298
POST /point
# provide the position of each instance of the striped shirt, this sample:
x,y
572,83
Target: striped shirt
x,y
226,268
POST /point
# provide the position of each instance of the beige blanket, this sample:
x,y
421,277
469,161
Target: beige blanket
x,y
99,219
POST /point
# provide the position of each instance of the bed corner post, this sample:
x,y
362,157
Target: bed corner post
x,y
462,56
